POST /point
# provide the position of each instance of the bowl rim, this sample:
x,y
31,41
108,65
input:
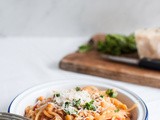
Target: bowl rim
x,y
110,84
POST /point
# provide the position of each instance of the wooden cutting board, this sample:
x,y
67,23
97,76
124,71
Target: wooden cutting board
x,y
91,63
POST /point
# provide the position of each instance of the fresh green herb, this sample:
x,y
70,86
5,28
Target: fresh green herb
x,y
67,112
67,104
78,88
111,93
90,106
116,44
75,112
101,96
84,48
57,95
92,101
76,102
70,112
117,110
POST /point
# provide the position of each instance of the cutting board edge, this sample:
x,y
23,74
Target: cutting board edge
x,y
121,77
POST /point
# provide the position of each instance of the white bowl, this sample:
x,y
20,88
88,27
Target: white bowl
x,y
29,96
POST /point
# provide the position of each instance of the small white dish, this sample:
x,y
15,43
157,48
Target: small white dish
x,y
29,96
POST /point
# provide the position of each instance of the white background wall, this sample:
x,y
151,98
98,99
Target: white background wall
x,y
70,18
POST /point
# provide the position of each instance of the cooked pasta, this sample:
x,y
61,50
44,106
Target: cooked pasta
x,y
87,103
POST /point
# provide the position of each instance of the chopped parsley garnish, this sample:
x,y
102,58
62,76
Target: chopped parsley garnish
x,y
111,93
90,106
84,48
78,88
76,103
67,112
57,95
67,104
101,96
116,110
75,112
70,112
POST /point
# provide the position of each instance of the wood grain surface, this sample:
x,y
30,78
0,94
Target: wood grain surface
x,y
93,64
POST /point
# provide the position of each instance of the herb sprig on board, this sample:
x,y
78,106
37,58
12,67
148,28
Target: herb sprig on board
x,y
85,48
114,44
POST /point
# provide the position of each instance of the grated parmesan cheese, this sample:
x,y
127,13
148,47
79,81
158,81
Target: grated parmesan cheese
x,y
68,97
72,94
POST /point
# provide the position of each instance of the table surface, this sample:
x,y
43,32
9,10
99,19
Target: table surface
x,y
25,62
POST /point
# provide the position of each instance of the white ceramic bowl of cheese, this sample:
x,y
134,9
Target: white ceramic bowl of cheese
x,y
29,96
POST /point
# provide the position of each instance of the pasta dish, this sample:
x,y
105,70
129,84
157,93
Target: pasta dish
x,y
86,103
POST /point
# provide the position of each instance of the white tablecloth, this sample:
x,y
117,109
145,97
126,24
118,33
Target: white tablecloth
x,y
25,62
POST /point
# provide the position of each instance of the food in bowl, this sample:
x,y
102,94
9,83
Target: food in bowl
x,y
85,103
